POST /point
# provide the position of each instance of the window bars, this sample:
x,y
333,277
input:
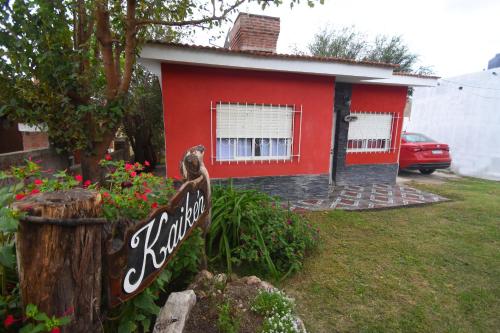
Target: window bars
x,y
254,132
372,132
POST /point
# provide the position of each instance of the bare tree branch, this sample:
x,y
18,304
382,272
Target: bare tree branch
x,y
194,21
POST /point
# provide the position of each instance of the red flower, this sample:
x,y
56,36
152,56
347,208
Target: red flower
x,y
133,174
38,182
107,157
144,197
87,183
105,194
147,190
128,166
9,321
146,163
20,196
154,205
55,330
78,178
35,191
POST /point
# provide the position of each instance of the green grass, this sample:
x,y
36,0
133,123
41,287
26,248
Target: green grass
x,y
425,269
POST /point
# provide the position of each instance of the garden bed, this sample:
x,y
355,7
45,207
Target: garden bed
x,y
237,305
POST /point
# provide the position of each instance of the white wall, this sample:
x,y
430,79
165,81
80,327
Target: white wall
x,y
468,119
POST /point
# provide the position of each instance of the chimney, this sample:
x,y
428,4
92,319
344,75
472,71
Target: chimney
x,y
254,33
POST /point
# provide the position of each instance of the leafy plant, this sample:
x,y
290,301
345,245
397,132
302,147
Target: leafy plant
x,y
33,321
227,322
278,312
250,227
128,195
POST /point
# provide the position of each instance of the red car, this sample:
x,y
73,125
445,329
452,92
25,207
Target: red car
x,y
419,152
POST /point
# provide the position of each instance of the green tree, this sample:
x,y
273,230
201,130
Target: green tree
x,y
143,121
349,43
69,63
344,43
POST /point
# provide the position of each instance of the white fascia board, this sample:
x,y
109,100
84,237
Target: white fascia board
x,y
152,66
173,54
402,80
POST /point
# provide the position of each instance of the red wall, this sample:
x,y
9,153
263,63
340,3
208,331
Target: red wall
x,y
374,98
188,91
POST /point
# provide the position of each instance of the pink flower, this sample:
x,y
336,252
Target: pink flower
x,y
289,222
38,182
35,191
55,330
146,163
87,183
9,320
154,205
133,174
128,166
108,157
78,178
20,196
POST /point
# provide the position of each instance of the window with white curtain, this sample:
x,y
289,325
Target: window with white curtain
x,y
371,132
253,132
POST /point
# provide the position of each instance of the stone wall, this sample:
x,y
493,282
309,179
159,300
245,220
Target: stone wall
x,y
286,187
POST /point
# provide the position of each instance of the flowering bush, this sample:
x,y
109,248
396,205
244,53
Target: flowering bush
x,y
128,195
278,312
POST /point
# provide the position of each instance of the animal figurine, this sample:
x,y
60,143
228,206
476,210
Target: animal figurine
x,y
192,167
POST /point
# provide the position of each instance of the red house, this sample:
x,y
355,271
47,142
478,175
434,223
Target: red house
x,y
287,124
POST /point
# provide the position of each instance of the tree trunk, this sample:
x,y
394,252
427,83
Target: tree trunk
x,y
59,258
91,170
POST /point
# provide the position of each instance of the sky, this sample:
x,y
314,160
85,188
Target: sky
x,y
453,36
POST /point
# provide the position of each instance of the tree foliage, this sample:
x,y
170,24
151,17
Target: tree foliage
x,y
143,121
349,43
346,43
69,63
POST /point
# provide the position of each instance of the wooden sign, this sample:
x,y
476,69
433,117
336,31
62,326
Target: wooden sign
x,y
149,245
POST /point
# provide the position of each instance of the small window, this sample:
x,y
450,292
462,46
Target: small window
x,y
254,132
371,132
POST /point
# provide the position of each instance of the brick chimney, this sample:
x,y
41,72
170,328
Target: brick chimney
x,y
254,33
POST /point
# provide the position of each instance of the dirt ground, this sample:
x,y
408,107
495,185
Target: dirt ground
x,y
204,315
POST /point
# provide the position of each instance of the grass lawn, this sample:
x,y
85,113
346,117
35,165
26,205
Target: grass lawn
x,y
426,269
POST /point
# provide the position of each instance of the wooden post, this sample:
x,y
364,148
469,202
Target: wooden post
x,y
59,256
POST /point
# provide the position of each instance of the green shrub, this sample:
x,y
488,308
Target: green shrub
x,y
278,312
227,322
252,229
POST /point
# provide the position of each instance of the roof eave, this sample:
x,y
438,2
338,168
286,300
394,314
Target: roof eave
x,y
203,57
409,81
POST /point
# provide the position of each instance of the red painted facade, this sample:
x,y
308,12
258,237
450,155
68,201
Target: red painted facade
x,y
189,90
373,98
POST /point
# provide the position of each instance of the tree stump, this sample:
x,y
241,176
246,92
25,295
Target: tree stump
x,y
59,256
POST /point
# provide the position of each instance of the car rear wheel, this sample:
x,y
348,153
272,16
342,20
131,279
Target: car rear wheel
x,y
426,171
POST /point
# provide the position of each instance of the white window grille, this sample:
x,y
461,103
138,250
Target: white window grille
x,y
371,132
254,132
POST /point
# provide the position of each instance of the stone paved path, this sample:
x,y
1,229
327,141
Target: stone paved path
x,y
375,196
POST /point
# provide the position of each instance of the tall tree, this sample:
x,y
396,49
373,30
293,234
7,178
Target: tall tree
x,y
143,121
344,43
69,63
349,43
